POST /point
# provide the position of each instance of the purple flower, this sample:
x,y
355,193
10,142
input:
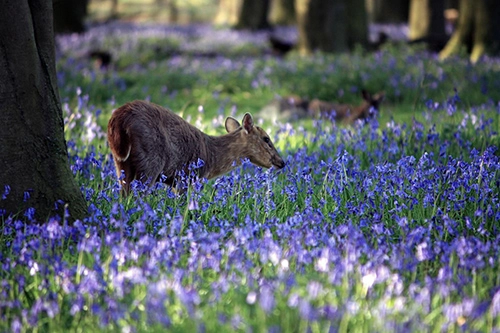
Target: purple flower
x,y
6,192
266,299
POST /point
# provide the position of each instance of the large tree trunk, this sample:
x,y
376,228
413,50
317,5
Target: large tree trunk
x,y
282,12
253,15
331,26
33,156
478,29
69,15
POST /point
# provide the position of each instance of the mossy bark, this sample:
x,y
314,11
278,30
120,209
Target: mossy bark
x,y
33,155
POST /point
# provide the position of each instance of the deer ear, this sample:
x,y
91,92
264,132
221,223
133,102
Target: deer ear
x,y
232,124
247,122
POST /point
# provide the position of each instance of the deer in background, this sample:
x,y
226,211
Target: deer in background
x,y
148,141
345,112
287,108
294,107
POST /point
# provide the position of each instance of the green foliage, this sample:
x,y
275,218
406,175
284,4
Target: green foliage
x,y
337,231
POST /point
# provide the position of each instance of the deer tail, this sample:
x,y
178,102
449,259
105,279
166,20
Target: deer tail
x,y
119,140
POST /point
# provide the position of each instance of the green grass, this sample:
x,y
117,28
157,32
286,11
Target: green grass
x,y
389,226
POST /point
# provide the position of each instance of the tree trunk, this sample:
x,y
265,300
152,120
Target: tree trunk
x,y
282,12
478,29
451,4
253,15
69,15
303,43
331,26
427,19
173,11
33,158
114,10
388,11
357,24
419,21
227,14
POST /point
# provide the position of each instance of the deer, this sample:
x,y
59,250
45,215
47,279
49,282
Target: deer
x,y
286,108
345,112
151,143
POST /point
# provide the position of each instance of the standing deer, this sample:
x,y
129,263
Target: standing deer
x,y
346,112
148,141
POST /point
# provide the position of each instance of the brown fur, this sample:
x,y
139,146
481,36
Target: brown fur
x,y
345,112
147,140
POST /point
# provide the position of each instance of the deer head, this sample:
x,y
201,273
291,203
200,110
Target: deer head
x,y
255,143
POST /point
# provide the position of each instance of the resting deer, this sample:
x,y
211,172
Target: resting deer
x,y
148,141
346,112
285,108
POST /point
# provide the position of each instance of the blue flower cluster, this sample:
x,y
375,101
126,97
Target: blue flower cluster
x,y
375,227
327,239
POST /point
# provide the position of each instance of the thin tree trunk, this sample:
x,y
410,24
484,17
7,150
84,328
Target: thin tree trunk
x,y
173,11
33,156
114,9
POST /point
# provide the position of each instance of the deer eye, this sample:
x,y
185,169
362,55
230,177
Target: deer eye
x,y
266,140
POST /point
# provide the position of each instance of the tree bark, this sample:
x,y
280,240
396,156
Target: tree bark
x,y
253,15
227,13
388,11
357,23
282,12
114,10
478,29
331,26
33,156
427,23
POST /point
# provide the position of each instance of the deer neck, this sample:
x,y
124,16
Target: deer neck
x,y
223,153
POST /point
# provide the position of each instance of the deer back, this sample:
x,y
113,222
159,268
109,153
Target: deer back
x,y
147,140
328,110
346,112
